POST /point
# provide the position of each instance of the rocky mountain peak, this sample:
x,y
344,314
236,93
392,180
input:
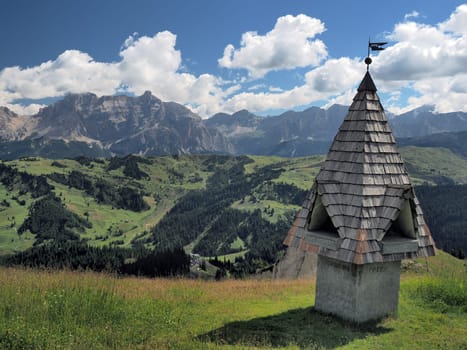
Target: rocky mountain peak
x,y
77,100
14,126
147,94
6,112
122,125
148,97
146,125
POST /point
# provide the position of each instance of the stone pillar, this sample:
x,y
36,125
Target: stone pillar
x,y
357,293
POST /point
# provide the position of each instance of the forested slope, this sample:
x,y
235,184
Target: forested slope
x,y
238,208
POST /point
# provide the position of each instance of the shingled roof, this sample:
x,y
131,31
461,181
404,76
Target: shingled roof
x,y
362,207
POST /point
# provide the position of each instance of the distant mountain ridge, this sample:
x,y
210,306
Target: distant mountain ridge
x,y
117,125
423,121
311,131
84,124
13,126
290,134
455,141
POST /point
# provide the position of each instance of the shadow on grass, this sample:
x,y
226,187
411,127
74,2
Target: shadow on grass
x,y
305,328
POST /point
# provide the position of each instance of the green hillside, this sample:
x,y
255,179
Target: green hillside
x,y
168,179
434,165
235,208
211,205
78,310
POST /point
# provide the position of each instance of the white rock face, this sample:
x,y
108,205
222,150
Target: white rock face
x,y
14,126
121,124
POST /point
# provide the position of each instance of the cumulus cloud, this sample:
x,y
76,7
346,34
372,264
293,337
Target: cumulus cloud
x,y
332,81
146,60
155,64
457,22
72,71
345,98
263,101
288,45
421,50
335,75
430,59
147,63
444,93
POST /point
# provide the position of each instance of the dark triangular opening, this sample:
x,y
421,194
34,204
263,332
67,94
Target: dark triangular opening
x,y
403,226
319,219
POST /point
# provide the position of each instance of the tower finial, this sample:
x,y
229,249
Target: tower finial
x,y
373,47
368,61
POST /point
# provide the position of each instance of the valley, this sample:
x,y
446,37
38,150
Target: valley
x,y
214,206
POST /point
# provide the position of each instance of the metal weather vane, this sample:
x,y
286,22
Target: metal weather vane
x,y
373,46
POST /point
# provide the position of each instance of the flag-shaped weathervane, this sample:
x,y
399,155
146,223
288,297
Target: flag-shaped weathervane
x,y
375,46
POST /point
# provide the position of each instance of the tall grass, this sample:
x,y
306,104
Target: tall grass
x,y
87,310
439,283
84,310
444,295
46,310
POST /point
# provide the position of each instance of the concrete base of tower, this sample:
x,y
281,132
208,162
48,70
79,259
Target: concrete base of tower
x,y
357,293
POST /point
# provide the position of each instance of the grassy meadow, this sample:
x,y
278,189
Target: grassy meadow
x,y
424,163
169,179
83,310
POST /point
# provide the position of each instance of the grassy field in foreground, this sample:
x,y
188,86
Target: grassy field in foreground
x,y
49,310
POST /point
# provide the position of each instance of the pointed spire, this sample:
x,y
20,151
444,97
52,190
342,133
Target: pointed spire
x,y
360,192
367,84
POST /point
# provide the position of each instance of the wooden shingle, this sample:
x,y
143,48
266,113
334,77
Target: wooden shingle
x,y
363,186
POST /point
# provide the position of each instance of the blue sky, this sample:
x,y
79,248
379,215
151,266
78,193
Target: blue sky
x,y
222,56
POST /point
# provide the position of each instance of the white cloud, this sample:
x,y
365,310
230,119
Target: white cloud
x,y
326,82
335,75
129,41
147,60
275,89
151,63
288,45
345,99
25,110
446,94
147,63
257,87
72,71
265,101
429,59
413,14
457,22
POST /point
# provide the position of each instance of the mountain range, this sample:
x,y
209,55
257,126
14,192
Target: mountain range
x,y
84,124
109,125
